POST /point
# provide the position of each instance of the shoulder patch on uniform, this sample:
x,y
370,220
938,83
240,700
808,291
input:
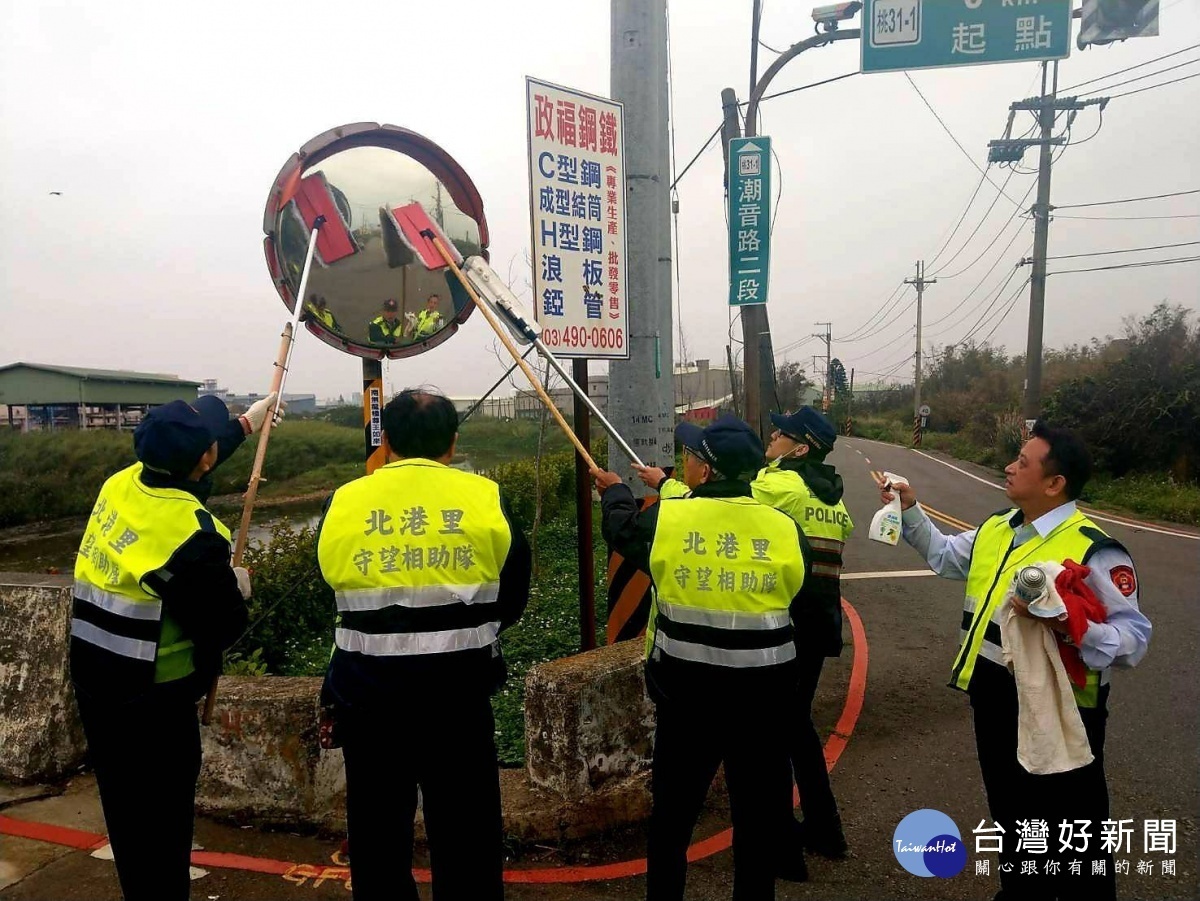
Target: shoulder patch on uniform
x,y
206,521
1124,578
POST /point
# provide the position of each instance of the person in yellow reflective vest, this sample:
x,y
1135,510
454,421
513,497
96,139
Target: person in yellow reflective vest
x,y
386,328
720,652
1044,483
318,308
156,604
428,569
798,482
428,320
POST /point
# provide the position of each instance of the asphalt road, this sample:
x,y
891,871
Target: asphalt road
x,y
911,747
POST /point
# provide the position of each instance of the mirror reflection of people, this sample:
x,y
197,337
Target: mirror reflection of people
x,y
426,322
318,308
386,328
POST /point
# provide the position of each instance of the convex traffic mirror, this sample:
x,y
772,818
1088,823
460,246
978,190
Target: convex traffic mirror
x,y
367,293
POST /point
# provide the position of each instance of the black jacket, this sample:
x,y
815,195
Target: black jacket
x,y
630,531
201,594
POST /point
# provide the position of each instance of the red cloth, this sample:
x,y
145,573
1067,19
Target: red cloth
x,y
1083,607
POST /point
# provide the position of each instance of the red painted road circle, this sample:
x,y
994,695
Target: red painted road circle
x,y
721,841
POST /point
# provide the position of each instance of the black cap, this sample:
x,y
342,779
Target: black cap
x,y
728,445
172,438
808,426
390,304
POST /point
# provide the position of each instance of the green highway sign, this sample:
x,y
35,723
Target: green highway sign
x,y
749,220
931,34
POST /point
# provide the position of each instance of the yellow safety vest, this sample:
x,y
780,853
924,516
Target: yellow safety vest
x,y
389,329
413,553
826,526
994,563
324,315
427,323
725,571
133,531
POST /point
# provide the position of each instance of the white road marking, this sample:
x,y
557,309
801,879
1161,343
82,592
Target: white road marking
x,y
888,574
1129,524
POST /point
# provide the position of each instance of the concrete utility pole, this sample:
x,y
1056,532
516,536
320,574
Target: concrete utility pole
x,y
641,394
919,282
1010,150
827,395
1041,241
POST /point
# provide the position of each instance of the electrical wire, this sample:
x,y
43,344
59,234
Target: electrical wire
x,y
1143,265
957,143
674,193
1148,62
1153,86
882,314
1127,218
961,218
1000,321
979,284
990,298
805,87
1104,253
883,326
1011,300
1121,84
853,333
1079,206
699,153
1017,209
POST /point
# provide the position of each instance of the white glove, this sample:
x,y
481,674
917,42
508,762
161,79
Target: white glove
x,y
243,581
259,410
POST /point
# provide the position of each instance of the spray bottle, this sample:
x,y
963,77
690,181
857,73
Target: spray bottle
x,y
885,525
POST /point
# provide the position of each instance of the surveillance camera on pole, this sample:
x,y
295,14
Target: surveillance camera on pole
x,y
829,16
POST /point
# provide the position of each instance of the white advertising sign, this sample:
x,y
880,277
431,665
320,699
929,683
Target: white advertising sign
x,y
577,219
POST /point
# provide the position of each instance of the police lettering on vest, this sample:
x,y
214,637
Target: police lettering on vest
x,y
413,553
725,571
133,531
829,515
993,563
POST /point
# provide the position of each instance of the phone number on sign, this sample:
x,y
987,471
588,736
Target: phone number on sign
x,y
580,336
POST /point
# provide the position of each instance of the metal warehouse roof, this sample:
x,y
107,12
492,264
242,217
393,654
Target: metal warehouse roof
x,y
105,375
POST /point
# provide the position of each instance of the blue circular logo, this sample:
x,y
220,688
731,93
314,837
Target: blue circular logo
x,y
928,843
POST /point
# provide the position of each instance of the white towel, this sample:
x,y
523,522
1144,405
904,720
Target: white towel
x,y
1050,733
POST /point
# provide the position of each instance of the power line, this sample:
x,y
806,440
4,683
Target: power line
x,y
1012,301
1000,321
961,218
1153,86
957,143
1127,218
1079,206
988,298
805,87
853,333
1007,222
1121,84
1104,253
882,327
696,157
1143,265
979,284
1148,62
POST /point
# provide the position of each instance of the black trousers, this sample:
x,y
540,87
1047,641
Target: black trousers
x,y
446,746
690,742
146,756
1015,794
807,752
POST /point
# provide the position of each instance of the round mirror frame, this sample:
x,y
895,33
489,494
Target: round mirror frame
x,y
391,137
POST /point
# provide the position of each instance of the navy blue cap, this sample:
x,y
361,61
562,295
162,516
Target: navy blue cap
x,y
172,438
728,445
808,426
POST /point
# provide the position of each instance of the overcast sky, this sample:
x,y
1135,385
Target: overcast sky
x,y
164,124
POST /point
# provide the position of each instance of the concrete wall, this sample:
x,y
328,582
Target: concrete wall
x,y
41,738
588,729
